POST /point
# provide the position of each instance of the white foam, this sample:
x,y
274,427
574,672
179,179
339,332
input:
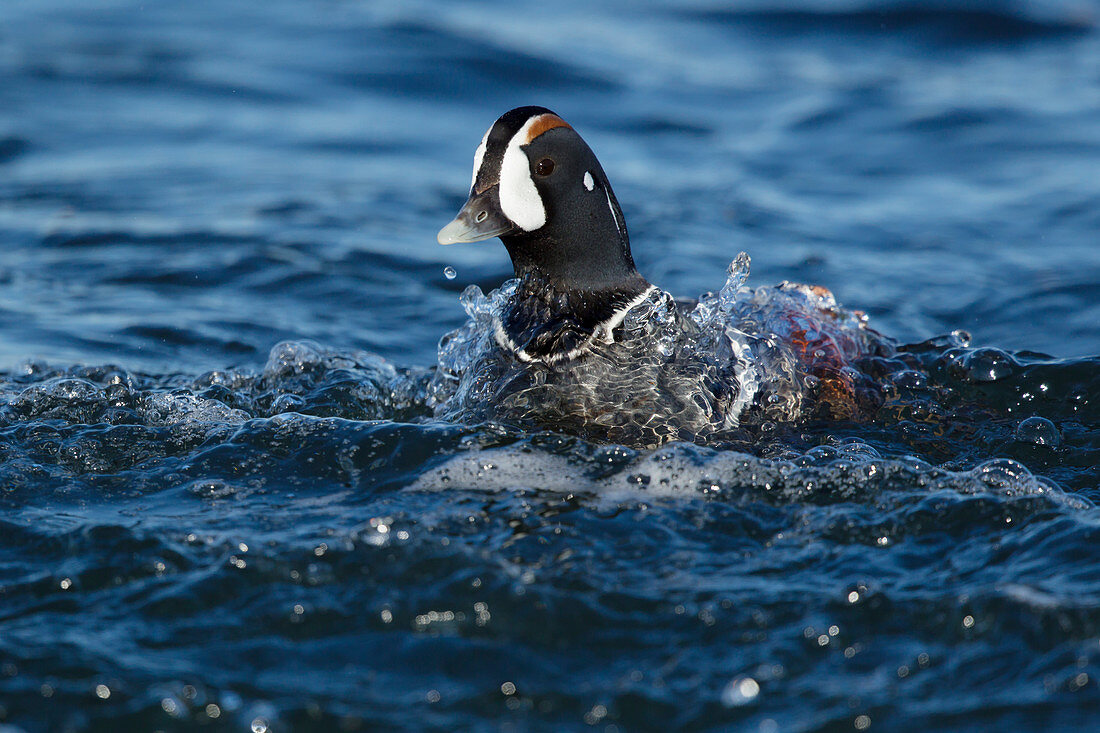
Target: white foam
x,y
684,471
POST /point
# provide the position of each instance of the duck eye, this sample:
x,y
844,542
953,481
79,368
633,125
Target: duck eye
x,y
545,167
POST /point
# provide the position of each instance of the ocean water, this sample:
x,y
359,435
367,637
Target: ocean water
x,y
226,503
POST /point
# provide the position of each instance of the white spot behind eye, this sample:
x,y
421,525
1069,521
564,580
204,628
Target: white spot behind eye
x,y
588,182
479,156
519,199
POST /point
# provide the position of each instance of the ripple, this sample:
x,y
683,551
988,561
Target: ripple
x,y
11,147
941,25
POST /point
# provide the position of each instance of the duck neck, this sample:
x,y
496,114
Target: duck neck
x,y
546,322
576,267
577,278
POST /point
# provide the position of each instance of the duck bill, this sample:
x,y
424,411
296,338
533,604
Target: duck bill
x,y
481,218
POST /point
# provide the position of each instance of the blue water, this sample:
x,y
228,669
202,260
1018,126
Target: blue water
x,y
225,506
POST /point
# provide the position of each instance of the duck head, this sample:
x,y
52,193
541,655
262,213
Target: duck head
x,y
538,186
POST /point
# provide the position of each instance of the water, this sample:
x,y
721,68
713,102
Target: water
x,y
227,502
720,370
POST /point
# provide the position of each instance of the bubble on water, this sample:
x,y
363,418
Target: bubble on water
x,y
1002,473
1039,431
908,379
449,272
983,365
287,403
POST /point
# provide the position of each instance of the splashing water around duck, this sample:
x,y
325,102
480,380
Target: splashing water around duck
x,y
739,361
581,342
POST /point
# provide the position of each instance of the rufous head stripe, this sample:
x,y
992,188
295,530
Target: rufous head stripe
x,y
542,123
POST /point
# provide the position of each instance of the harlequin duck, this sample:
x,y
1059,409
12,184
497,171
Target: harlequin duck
x,y
681,370
538,186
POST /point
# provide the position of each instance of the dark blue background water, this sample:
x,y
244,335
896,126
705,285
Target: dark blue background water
x,y
185,184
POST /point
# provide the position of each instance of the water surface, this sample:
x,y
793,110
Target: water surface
x,y
224,505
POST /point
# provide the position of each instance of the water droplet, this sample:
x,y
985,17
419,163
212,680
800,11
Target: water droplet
x,y
740,691
960,337
450,273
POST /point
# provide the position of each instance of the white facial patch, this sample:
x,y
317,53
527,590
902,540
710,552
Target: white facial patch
x,y
479,155
519,199
588,182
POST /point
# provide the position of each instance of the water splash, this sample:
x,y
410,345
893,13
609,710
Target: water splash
x,y
709,371
678,371
299,376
